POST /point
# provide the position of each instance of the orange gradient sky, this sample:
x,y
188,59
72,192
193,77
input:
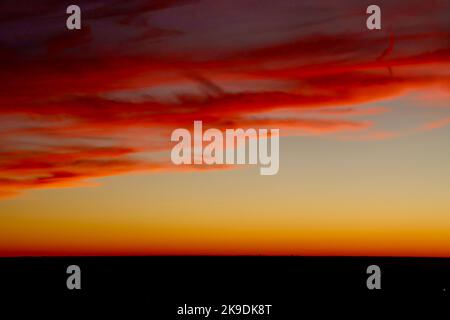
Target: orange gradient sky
x,y
86,117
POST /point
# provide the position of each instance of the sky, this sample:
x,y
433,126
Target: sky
x,y
86,118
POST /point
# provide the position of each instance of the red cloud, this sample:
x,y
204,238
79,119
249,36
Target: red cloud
x,y
65,41
74,127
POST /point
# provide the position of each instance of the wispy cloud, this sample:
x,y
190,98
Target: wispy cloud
x,y
61,87
435,124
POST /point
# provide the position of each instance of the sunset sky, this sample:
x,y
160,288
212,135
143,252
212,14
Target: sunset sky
x,y
86,118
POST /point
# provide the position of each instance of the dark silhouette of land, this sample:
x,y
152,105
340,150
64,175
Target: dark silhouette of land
x,y
159,284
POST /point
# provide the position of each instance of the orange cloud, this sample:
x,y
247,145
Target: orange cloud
x,y
372,136
436,124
